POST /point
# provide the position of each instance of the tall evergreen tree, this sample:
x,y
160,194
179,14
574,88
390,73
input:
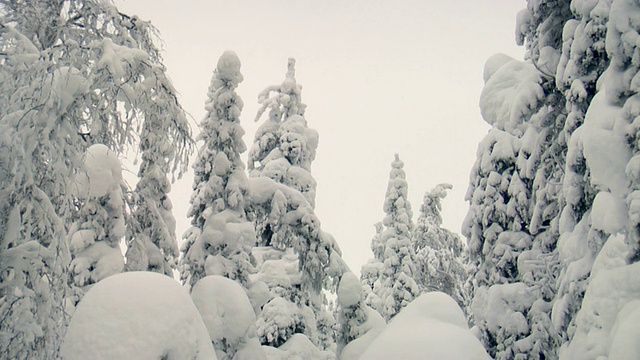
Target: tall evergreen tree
x,y
73,73
220,238
515,190
397,286
283,150
440,254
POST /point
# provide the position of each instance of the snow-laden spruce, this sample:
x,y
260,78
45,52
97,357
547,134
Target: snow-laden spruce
x,y
597,288
396,287
512,225
283,196
220,239
284,146
441,257
73,73
352,311
569,292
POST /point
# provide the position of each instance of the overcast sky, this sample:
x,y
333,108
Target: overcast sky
x,y
379,77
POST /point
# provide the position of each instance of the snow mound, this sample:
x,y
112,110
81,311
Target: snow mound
x,y
137,315
431,327
298,347
226,311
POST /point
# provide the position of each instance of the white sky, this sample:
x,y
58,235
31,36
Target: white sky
x,y
379,77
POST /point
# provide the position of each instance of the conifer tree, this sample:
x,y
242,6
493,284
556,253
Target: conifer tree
x,y
440,254
397,285
280,163
220,239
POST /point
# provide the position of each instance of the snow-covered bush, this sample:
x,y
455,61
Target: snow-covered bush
x,y
228,316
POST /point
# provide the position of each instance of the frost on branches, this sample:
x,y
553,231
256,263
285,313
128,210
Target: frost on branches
x,y
441,256
73,73
220,239
396,287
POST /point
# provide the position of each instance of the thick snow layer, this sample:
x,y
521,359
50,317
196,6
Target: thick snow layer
x,y
494,63
137,315
102,172
226,311
298,347
604,145
608,213
608,308
626,332
229,67
349,290
431,327
510,93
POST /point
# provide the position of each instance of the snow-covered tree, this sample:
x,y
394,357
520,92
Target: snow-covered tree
x,y
282,152
96,235
515,191
575,162
440,254
73,73
396,286
597,292
295,276
284,146
220,239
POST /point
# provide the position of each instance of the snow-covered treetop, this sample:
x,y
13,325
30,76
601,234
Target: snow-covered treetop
x,y
431,207
286,99
396,206
229,69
